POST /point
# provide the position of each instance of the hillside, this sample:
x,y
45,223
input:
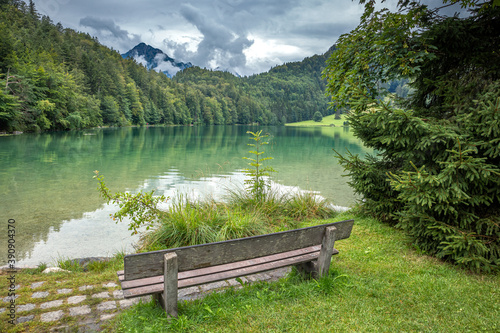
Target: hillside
x,y
54,78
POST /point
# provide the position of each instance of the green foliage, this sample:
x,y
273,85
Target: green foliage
x,y
307,205
437,172
257,183
69,265
36,271
97,266
91,85
190,223
377,51
317,117
141,207
444,178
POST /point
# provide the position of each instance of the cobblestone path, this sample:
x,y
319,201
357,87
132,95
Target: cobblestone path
x,y
93,309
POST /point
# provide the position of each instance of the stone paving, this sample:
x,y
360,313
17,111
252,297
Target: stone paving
x,y
109,303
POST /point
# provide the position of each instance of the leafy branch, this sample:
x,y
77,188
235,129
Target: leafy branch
x,y
141,207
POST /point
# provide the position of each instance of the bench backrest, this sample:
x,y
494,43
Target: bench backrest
x,y
143,265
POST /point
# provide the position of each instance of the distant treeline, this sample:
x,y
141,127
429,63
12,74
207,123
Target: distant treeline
x,y
53,78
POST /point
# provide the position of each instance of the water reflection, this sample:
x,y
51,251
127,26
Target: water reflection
x,y
46,179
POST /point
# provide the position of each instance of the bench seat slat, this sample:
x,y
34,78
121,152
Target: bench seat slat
x,y
216,269
224,275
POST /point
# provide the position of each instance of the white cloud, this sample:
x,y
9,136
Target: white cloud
x,y
166,66
141,60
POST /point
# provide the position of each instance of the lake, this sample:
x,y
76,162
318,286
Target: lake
x,y
47,186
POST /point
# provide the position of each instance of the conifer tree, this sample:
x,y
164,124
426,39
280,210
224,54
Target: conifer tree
x,y
437,171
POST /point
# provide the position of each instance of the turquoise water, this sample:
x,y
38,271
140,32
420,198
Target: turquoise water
x,y
47,186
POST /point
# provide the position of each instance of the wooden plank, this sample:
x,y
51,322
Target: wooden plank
x,y
325,255
170,284
143,265
142,282
190,282
246,263
220,268
247,271
143,291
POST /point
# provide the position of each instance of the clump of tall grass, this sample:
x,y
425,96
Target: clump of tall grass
x,y
270,204
188,222
277,204
307,205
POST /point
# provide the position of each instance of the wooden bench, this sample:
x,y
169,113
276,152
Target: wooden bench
x,y
162,273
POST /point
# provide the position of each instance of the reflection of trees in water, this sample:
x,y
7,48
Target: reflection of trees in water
x,y
46,179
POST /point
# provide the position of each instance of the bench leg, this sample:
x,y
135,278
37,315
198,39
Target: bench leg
x,y
325,254
170,284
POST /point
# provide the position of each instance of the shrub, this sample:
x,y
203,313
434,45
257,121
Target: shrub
x,y
439,179
317,116
436,173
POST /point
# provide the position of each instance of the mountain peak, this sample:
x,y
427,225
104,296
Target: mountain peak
x,y
156,59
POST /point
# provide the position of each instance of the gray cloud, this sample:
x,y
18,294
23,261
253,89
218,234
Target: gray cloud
x,y
320,30
221,45
106,29
250,35
104,25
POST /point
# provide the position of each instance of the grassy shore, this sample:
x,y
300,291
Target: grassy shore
x,y
378,282
327,121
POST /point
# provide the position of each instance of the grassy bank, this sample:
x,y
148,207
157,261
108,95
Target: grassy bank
x,y
378,282
327,121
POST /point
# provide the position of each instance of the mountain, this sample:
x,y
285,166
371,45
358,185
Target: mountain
x,y
153,58
81,83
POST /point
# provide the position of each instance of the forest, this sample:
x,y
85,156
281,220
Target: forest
x,y
54,78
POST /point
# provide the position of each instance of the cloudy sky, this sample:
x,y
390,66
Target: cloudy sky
x,y
246,36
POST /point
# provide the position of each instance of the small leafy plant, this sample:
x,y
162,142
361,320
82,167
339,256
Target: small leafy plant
x,y
257,184
140,207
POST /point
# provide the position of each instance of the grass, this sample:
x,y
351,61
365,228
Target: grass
x,y
197,222
378,282
327,121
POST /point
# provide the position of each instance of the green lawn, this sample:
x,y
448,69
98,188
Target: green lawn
x,y
327,121
378,283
